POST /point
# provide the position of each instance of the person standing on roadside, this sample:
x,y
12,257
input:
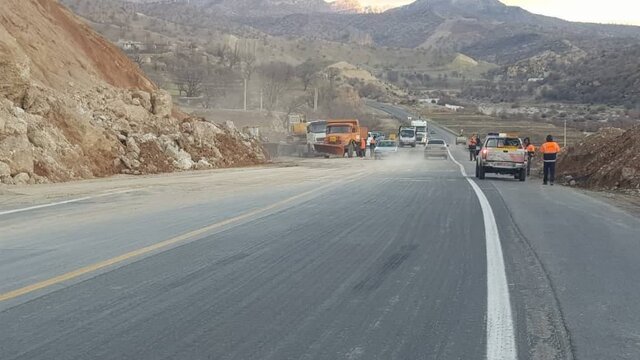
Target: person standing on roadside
x,y
549,150
531,152
372,147
472,143
363,147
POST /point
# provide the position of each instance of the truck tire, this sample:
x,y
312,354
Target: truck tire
x,y
350,150
523,174
481,172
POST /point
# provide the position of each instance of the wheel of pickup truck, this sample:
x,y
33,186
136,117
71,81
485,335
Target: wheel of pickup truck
x,y
481,172
523,174
350,150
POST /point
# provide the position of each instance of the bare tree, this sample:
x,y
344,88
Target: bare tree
x,y
227,56
248,65
233,58
189,79
222,53
276,77
308,72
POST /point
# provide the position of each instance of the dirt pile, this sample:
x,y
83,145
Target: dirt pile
x,y
608,159
72,106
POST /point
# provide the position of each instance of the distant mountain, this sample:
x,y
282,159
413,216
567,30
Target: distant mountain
x,y
484,29
255,8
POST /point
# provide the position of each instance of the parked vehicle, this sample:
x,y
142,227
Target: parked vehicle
x,y
316,132
436,148
342,138
407,136
502,154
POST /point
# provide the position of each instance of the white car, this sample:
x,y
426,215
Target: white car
x,y
436,148
385,148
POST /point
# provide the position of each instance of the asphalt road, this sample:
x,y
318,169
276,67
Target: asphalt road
x,y
389,263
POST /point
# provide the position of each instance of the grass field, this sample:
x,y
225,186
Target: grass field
x,y
482,124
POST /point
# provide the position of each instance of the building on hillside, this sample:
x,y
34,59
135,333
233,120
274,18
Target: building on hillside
x,y
130,45
454,107
429,100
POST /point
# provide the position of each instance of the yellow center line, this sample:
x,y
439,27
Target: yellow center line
x,y
148,249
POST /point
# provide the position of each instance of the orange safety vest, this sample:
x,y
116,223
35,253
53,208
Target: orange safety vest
x,y
550,151
372,142
550,147
363,143
472,141
531,148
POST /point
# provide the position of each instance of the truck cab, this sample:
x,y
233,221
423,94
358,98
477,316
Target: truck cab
x,y
316,132
342,137
421,131
502,153
407,136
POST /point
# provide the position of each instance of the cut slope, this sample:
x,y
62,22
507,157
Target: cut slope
x,y
72,106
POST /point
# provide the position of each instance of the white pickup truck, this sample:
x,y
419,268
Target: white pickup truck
x,y
502,154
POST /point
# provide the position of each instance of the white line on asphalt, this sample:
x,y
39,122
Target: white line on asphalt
x,y
500,331
42,206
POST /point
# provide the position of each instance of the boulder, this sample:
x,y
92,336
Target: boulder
x,y
143,99
35,101
132,146
21,179
5,170
162,103
7,180
203,164
184,163
17,152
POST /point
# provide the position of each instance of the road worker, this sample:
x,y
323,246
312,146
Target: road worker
x,y
531,152
363,147
549,150
472,143
372,146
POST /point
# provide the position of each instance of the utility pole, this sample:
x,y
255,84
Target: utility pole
x,y
315,100
565,132
245,94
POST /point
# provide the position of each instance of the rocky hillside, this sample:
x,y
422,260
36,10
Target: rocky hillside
x,y
72,106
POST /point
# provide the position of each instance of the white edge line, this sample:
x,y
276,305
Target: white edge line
x,y
42,206
500,330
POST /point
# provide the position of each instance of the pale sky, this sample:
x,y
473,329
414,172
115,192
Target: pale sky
x,y
602,11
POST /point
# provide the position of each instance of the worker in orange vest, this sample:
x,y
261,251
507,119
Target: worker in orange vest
x,y
363,147
472,143
531,152
549,150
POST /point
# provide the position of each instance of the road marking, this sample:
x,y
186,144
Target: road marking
x,y
501,343
42,206
158,246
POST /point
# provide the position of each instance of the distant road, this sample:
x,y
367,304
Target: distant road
x,y
325,259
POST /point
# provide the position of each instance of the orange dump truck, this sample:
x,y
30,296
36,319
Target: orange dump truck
x,y
343,137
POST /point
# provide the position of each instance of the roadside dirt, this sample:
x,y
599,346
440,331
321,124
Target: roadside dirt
x,y
606,160
194,184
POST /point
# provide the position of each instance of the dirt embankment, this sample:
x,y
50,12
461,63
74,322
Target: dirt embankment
x,y
608,159
72,106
